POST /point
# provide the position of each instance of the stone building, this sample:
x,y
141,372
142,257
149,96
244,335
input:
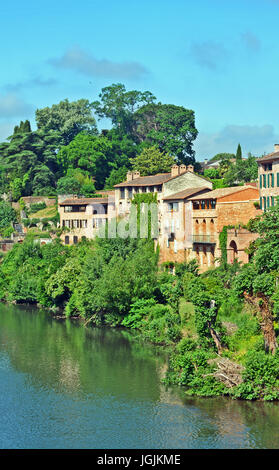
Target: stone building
x,y
83,218
238,240
164,184
269,178
215,209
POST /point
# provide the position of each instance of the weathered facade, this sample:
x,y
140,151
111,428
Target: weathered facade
x,y
190,214
214,210
83,218
269,178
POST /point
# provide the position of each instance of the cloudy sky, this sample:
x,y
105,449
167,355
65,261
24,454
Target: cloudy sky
x,y
217,57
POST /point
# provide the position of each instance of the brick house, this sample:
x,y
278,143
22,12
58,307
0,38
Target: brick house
x,y
215,209
268,167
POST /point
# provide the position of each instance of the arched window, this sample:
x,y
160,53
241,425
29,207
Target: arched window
x,y
233,251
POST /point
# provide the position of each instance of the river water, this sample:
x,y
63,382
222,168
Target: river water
x,y
63,385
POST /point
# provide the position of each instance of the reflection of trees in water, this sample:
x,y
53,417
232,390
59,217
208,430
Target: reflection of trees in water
x,y
257,422
66,356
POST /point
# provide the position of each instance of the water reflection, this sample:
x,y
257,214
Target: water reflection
x,y
63,385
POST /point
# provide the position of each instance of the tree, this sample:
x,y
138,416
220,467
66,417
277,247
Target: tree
x,y
151,161
68,185
89,153
115,177
242,171
67,118
7,215
171,128
119,105
238,155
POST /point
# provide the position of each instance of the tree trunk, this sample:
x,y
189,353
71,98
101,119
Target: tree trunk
x,y
216,338
270,341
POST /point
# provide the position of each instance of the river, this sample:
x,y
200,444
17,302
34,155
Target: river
x,y
63,385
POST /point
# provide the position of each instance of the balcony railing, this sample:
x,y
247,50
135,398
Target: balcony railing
x,y
204,239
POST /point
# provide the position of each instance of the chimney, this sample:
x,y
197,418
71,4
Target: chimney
x,y
190,168
276,147
174,170
136,174
129,176
205,161
182,169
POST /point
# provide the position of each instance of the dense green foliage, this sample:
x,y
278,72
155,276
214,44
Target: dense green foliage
x,y
44,161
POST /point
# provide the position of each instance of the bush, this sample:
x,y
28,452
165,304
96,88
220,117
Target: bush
x,y
37,206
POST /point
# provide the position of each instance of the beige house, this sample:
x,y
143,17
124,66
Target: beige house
x,y
164,184
83,218
269,178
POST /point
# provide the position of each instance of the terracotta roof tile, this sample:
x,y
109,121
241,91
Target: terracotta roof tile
x,y
84,201
186,193
270,156
146,180
221,192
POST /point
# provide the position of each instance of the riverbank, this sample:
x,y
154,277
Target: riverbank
x,y
217,340
65,386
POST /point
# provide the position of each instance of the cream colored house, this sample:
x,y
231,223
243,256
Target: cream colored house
x,y
83,218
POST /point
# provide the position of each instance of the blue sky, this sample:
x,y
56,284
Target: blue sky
x,y
217,57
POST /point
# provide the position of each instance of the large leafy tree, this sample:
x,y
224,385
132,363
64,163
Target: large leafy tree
x,y
68,118
120,105
171,128
151,161
25,156
93,154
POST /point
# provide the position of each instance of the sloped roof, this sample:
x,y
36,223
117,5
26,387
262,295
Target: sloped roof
x,y
186,193
146,180
84,201
269,157
154,180
221,192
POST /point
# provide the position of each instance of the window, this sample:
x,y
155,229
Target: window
x,y
143,190
203,204
74,208
207,203
264,181
268,201
151,189
98,222
159,188
122,193
277,180
269,166
196,205
213,203
75,223
75,239
261,202
83,223
272,180
67,240
130,192
261,183
173,206
264,201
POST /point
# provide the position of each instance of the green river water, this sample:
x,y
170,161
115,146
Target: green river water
x,y
63,385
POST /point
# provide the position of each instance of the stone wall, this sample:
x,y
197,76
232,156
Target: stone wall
x,y
237,242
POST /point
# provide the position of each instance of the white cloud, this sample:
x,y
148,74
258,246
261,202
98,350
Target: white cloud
x,y
13,106
255,139
83,62
209,54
